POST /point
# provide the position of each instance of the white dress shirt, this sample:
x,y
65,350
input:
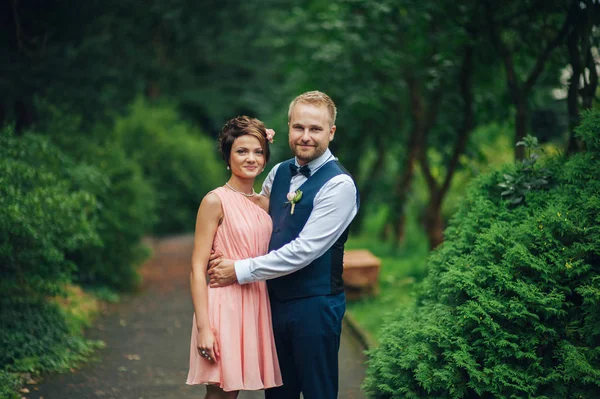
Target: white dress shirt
x,y
334,207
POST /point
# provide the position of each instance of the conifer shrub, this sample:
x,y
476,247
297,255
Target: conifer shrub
x,y
510,308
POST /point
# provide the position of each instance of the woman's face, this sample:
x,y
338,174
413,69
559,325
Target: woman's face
x,y
247,158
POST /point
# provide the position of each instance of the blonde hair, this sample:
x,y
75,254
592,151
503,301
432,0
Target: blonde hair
x,y
315,98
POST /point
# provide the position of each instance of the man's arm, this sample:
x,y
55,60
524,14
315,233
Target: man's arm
x,y
333,210
268,183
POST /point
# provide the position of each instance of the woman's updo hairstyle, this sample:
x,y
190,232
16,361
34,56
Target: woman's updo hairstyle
x,y
241,126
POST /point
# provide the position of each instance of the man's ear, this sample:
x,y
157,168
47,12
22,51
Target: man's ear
x,y
332,133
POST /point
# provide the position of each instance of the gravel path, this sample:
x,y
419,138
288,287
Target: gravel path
x,y
147,342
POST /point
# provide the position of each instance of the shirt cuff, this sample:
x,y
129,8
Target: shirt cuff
x,y
242,271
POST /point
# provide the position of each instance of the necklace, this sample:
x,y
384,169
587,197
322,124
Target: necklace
x,y
244,194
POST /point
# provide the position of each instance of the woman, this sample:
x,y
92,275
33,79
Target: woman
x,y
232,346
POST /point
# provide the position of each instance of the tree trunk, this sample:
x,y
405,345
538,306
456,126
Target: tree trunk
x,y
433,221
588,93
520,126
369,186
404,182
520,89
573,91
403,187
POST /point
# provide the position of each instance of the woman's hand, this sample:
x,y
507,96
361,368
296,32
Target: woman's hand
x,y
208,347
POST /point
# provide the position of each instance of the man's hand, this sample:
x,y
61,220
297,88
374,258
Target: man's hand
x,y
214,255
221,272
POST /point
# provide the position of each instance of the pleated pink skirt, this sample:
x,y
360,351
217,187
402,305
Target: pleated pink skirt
x,y
241,316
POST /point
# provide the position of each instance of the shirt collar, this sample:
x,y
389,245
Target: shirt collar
x,y
317,163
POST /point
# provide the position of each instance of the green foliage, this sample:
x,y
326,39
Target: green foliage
x,y
589,130
180,163
42,219
527,176
125,213
9,383
510,306
35,337
126,201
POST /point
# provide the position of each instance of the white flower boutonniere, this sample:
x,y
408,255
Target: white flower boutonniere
x,y
294,198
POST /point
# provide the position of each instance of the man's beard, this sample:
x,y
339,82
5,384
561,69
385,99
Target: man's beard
x,y
307,158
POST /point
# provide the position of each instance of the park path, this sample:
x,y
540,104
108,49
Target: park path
x,y
147,342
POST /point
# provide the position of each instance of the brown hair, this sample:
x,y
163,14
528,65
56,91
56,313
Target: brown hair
x,y
241,126
315,98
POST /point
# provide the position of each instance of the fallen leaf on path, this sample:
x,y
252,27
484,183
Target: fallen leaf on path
x,y
132,357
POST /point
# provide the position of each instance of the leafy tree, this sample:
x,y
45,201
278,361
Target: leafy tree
x,y
525,34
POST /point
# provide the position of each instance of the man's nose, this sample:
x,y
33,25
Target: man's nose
x,y
305,135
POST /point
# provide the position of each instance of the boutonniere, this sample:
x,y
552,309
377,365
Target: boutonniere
x,y
294,198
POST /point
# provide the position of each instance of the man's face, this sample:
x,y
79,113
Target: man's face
x,y
310,131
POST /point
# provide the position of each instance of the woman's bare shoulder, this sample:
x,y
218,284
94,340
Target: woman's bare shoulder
x,y
211,204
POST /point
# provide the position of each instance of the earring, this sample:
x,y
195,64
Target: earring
x,y
227,167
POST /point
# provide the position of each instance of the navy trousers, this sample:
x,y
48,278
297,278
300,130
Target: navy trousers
x,y
307,335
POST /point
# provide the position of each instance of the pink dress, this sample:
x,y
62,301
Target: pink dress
x,y
240,314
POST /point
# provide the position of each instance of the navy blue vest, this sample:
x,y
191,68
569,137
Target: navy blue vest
x,y
324,275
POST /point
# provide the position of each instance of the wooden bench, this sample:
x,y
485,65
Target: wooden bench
x,y
361,272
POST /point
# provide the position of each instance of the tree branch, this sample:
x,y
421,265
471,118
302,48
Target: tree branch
x,y
505,54
541,60
465,82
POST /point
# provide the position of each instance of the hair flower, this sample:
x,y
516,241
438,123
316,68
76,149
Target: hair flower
x,y
293,198
270,135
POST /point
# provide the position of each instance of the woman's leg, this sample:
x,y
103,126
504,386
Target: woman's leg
x,y
214,392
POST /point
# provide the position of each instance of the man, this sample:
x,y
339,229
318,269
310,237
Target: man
x,y
312,202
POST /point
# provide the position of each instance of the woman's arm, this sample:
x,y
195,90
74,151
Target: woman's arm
x,y
209,216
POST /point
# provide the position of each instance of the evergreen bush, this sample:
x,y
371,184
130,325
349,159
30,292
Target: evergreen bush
x,y
125,199
126,212
179,161
42,219
510,308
